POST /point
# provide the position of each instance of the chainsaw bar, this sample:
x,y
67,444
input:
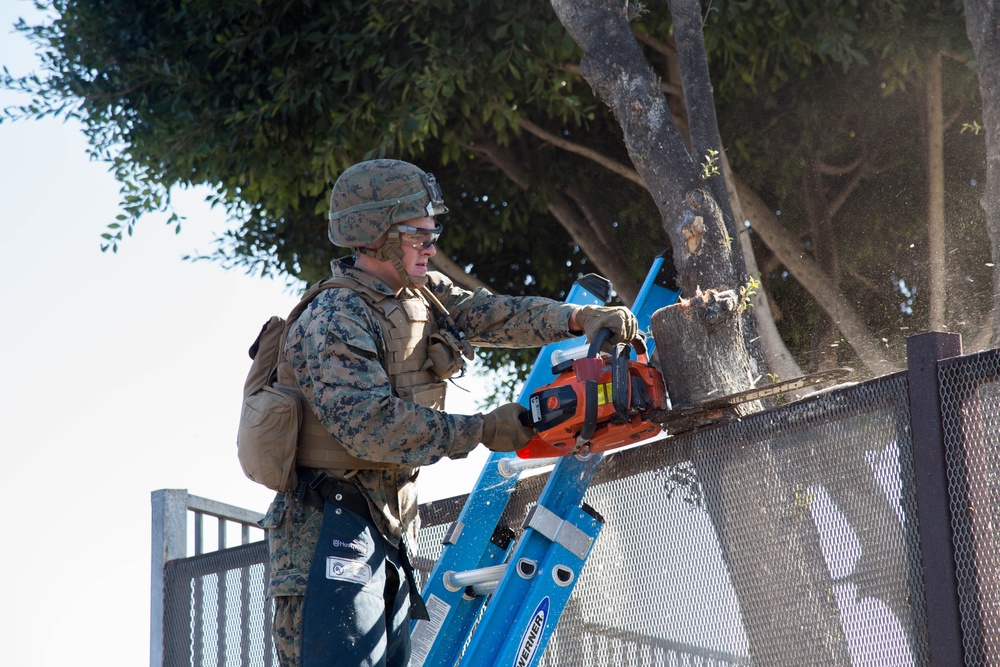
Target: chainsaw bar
x,y
714,410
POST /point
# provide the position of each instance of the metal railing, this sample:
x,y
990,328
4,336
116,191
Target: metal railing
x,y
187,577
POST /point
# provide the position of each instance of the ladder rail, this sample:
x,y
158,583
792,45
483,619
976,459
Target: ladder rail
x,y
525,600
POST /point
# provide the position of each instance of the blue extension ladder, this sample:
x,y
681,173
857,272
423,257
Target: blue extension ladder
x,y
526,584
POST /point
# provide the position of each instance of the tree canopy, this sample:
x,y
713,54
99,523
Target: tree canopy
x,y
820,106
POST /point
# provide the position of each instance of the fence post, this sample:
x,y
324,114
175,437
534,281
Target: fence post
x,y
944,629
169,542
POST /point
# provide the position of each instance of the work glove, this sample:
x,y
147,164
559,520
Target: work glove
x,y
503,430
621,321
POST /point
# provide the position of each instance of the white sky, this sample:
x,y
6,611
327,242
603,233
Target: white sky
x,y
124,375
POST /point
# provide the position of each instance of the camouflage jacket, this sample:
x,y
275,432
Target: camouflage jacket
x,y
334,347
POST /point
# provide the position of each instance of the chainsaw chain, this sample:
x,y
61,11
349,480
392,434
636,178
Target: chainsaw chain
x,y
716,410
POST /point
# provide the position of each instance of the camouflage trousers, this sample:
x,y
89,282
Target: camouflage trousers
x,y
286,629
355,611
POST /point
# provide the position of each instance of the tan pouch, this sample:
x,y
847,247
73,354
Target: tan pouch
x,y
445,355
429,395
268,435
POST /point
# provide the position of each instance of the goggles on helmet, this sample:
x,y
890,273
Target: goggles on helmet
x,y
436,204
418,237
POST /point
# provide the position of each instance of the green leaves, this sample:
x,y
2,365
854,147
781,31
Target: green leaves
x,y
267,102
763,44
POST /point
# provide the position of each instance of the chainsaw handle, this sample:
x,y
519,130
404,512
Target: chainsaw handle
x,y
589,412
600,338
590,389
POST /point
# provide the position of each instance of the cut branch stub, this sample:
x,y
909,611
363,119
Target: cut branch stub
x,y
693,231
702,247
703,363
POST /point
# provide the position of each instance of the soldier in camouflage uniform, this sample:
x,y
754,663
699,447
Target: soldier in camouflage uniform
x,y
371,354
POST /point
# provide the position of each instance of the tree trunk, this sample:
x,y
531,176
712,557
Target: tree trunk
x,y
824,338
711,340
779,360
934,118
707,323
982,23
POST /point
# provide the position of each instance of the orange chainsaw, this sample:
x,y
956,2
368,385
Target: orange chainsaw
x,y
608,401
596,403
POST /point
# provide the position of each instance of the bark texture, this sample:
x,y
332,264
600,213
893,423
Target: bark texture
x,y
982,23
707,323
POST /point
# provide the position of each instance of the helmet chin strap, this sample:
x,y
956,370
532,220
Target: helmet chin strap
x,y
392,251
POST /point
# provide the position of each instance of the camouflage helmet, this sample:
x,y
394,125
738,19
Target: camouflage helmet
x,y
372,196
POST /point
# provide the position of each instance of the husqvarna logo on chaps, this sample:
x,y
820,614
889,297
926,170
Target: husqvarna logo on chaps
x,y
532,635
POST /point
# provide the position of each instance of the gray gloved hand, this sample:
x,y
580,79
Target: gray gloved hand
x,y
621,321
503,430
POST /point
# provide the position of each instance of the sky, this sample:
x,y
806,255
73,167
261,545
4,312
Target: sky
x,y
125,375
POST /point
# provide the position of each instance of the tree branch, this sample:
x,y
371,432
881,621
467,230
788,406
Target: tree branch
x,y
597,222
668,51
950,120
458,275
779,359
606,259
501,159
814,280
845,192
695,79
578,149
836,170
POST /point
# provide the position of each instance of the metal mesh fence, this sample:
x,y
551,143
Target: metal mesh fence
x,y
215,612
789,537
970,404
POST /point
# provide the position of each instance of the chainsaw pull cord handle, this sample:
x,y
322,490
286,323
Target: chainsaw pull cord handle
x,y
639,345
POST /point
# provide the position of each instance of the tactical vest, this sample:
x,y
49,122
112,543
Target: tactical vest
x,y
406,323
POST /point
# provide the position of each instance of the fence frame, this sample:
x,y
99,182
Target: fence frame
x,y
930,471
170,508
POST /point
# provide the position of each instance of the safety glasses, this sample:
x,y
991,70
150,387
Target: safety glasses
x,y
417,237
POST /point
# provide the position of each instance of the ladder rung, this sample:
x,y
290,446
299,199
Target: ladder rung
x,y
511,466
481,590
484,580
455,581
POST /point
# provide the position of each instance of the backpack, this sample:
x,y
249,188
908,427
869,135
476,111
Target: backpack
x,y
272,413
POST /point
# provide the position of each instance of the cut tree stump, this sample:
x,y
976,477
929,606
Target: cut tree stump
x,y
698,333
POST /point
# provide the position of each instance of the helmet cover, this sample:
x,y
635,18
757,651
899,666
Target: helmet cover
x,y
370,197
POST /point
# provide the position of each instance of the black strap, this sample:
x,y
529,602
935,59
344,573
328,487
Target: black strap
x,y
418,610
316,488
449,322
